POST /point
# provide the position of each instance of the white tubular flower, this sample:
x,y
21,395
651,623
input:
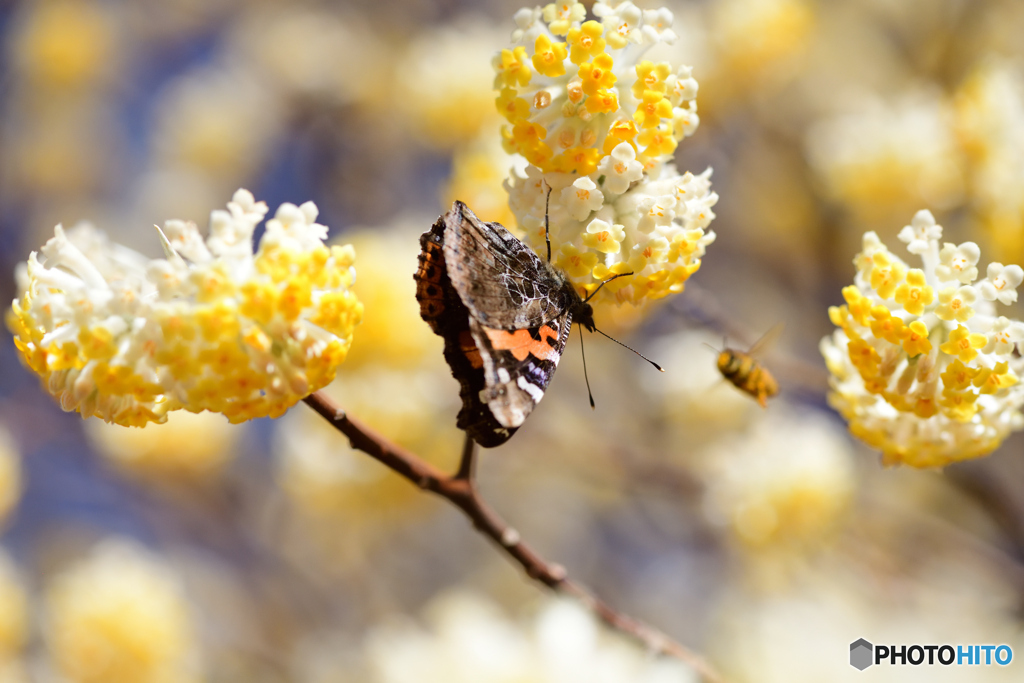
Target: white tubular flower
x,y
927,380
604,237
621,24
1001,283
958,263
589,113
620,168
920,232
658,25
213,326
582,198
528,25
1005,333
562,15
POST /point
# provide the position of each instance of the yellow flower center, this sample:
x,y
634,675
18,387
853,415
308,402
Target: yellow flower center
x,y
583,195
541,99
620,168
602,236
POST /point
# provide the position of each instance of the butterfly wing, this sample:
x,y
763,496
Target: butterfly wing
x,y
503,371
499,279
518,366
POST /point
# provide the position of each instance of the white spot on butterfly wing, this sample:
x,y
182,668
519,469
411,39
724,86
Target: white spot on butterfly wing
x,y
535,392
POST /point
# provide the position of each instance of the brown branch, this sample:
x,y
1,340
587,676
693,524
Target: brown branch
x,y
467,467
460,490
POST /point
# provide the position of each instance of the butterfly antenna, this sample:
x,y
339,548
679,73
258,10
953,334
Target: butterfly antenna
x,y
613,277
660,369
547,235
583,353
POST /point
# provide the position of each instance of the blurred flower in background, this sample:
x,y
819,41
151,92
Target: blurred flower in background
x,y
469,639
885,160
444,77
120,615
188,447
14,622
10,475
783,486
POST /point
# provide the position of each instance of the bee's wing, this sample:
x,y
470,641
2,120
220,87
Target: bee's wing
x,y
767,339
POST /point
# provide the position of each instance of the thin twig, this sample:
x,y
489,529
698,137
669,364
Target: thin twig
x,y
467,466
460,490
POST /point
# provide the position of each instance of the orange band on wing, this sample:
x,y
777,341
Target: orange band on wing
x,y
522,344
469,349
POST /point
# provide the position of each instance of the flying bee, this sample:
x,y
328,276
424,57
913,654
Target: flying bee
x,y
746,373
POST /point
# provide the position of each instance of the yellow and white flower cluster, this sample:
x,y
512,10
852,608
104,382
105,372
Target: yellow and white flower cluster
x,y
598,125
922,366
212,326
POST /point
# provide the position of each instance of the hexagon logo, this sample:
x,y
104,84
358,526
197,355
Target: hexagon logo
x,y
861,654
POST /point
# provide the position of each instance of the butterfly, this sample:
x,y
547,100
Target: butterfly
x,y
504,314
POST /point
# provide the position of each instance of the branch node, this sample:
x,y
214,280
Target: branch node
x,y
340,415
557,572
423,482
509,537
656,643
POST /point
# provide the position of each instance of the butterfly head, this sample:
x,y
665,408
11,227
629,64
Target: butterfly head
x,y
584,315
